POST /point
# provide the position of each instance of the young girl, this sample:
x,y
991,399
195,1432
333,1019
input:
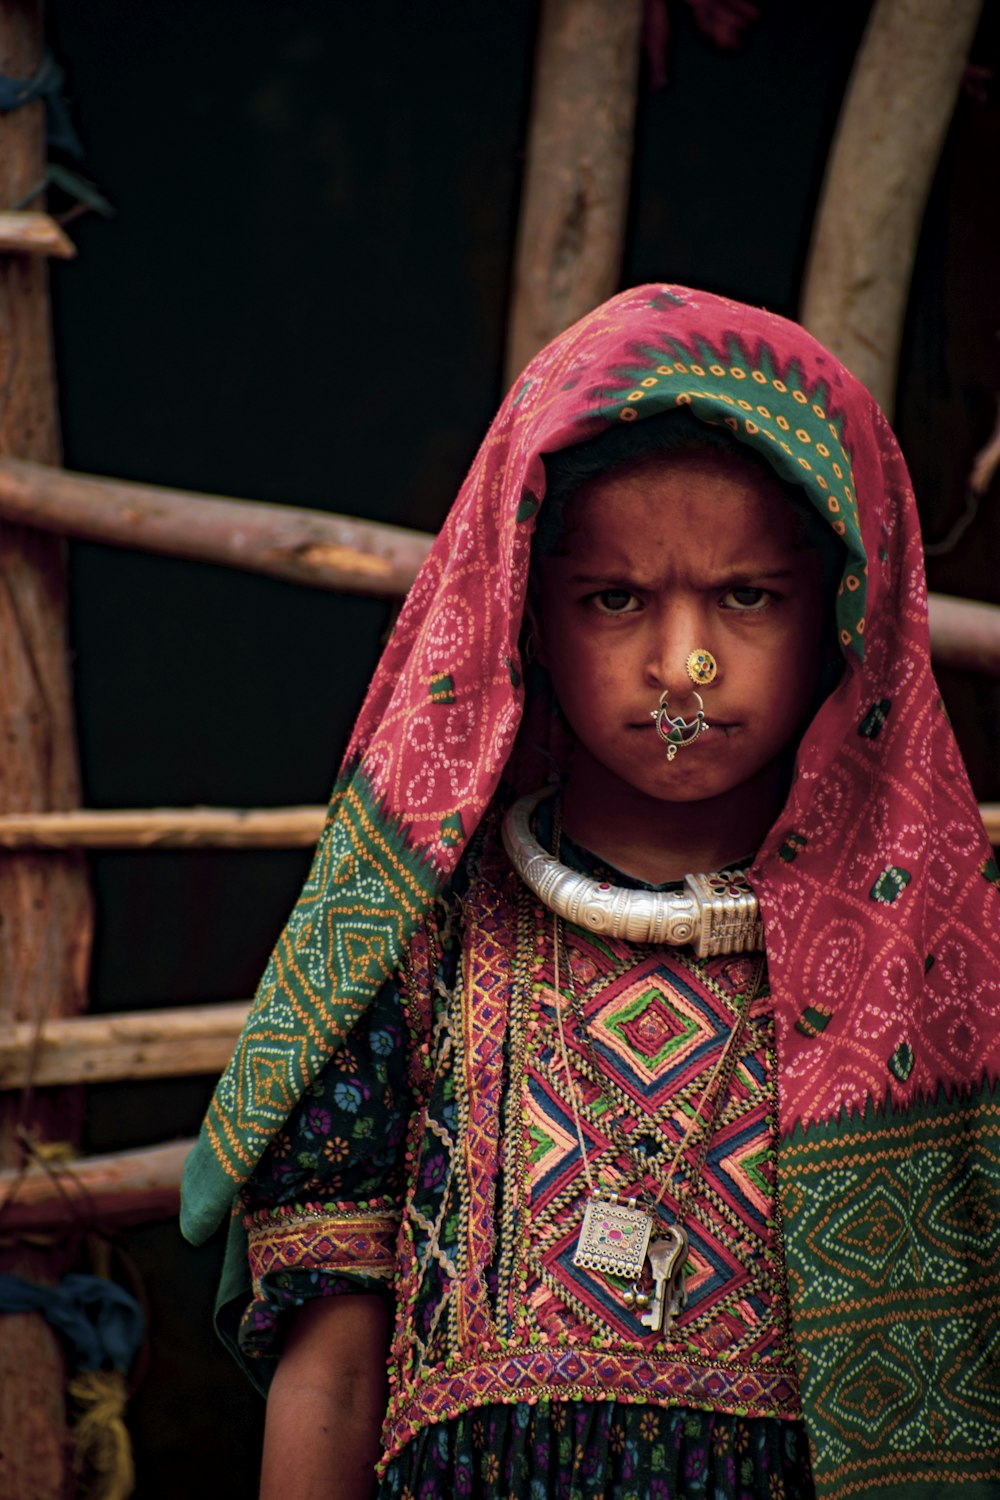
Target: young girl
x,y
644,1215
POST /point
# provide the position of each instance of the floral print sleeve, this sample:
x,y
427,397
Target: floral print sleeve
x,y
321,1210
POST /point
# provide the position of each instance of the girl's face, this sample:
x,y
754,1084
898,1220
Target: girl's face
x,y
673,553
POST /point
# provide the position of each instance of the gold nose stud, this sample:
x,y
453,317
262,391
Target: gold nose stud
x,y
701,667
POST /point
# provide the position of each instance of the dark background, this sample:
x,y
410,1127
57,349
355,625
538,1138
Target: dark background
x,y
302,298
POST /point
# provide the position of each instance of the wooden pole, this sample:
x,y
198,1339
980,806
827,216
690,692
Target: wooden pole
x,y
166,828
174,1042
579,155
965,633
34,234
318,549
45,911
895,115
285,541
191,828
128,1187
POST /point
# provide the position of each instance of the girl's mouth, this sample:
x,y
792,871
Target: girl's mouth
x,y
722,724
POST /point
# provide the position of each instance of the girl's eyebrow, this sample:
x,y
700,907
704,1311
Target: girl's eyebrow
x,y
770,574
737,572
605,578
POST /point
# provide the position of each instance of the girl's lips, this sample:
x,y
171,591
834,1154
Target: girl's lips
x,y
710,723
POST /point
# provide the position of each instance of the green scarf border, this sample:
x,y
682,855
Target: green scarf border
x,y
892,1239
797,425
367,891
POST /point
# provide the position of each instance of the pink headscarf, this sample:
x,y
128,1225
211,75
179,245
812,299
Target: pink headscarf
x,y
876,884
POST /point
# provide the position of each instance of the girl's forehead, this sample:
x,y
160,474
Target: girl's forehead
x,y
694,498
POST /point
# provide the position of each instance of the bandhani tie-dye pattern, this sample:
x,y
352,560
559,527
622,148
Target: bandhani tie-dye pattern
x,y
876,882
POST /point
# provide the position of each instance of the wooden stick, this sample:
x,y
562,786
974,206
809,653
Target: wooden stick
x,y
45,934
579,153
165,828
302,546
892,125
171,1043
283,541
986,461
34,234
185,828
127,1187
965,633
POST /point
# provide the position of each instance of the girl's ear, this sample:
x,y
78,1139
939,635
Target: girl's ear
x,y
532,643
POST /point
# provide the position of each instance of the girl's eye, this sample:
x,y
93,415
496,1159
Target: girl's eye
x,y
745,599
615,602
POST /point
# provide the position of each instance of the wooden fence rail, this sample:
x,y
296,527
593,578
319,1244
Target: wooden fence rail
x,y
175,1042
321,550
165,828
965,633
286,541
128,1187
203,828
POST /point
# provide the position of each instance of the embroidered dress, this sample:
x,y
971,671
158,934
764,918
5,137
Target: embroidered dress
x,y
709,1410
879,892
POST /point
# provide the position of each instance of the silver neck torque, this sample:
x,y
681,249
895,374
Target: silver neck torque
x,y
715,913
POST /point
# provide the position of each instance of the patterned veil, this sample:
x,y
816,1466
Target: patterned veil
x,y
877,885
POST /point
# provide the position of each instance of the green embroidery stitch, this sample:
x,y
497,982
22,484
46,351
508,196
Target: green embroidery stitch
x,y
873,721
451,829
892,1241
813,1020
796,425
890,885
901,1062
792,847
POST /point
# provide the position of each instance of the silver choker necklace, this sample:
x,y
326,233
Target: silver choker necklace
x,y
715,913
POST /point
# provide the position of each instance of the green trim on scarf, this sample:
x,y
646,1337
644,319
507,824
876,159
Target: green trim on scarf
x,y
366,892
775,410
893,1253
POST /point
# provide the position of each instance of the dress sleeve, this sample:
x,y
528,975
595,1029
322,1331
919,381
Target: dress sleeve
x,y
321,1211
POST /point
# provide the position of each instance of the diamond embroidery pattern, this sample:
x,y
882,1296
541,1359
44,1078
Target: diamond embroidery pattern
x,y
652,1029
657,1025
655,1030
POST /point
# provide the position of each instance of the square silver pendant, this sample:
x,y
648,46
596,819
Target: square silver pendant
x,y
614,1238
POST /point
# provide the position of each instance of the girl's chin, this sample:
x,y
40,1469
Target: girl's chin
x,y
689,777
673,784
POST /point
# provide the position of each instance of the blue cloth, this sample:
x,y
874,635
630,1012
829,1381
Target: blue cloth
x,y
47,84
101,1322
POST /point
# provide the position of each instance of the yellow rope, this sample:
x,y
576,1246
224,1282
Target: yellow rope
x,y
102,1458
54,1153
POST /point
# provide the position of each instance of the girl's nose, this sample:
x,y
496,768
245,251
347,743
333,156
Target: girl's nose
x,y
680,658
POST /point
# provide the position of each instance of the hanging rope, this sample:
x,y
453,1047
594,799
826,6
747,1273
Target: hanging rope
x,y
102,1325
102,1453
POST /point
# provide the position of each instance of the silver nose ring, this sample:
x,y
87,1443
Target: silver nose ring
x,y
674,729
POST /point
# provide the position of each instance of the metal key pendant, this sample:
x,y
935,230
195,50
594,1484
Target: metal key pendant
x,y
676,1298
666,1259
